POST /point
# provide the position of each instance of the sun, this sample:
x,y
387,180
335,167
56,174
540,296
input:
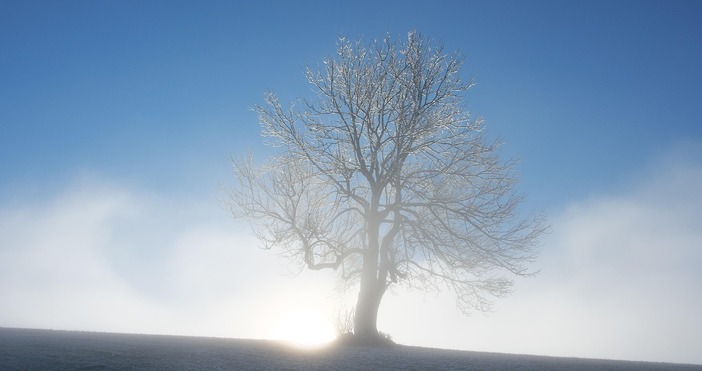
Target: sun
x,y
303,327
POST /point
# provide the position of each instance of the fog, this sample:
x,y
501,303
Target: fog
x,y
620,273
620,278
103,257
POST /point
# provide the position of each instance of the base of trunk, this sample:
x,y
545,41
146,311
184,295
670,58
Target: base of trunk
x,y
378,340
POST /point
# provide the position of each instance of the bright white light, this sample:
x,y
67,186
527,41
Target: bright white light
x,y
303,327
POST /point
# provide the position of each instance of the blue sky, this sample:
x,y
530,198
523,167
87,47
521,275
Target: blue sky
x,y
117,120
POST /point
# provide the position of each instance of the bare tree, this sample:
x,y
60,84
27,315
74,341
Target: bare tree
x,y
386,178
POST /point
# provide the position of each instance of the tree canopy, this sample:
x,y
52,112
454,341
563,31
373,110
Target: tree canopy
x,y
385,177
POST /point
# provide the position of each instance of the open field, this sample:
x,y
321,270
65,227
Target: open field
x,y
22,349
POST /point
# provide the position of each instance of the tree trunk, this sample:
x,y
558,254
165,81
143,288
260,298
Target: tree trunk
x,y
372,289
369,296
365,324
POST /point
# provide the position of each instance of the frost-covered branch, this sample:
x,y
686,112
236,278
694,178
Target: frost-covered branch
x,y
386,176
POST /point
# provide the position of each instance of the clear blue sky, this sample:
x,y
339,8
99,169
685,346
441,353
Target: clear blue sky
x,y
147,100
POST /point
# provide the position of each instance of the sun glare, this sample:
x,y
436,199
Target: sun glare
x,y
303,328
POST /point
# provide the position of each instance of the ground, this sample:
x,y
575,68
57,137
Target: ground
x,y
22,349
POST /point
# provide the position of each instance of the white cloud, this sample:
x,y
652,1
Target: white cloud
x,y
621,278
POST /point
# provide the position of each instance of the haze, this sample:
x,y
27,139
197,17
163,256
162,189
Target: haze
x,y
117,120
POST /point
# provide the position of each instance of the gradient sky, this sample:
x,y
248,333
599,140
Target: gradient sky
x,y
117,120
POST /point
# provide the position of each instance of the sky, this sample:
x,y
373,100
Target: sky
x,y
118,120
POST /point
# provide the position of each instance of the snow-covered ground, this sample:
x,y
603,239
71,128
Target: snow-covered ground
x,y
22,349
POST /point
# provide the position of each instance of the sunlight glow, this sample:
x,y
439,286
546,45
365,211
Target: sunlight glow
x,y
303,327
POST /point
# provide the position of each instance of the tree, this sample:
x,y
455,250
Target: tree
x,y
385,177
